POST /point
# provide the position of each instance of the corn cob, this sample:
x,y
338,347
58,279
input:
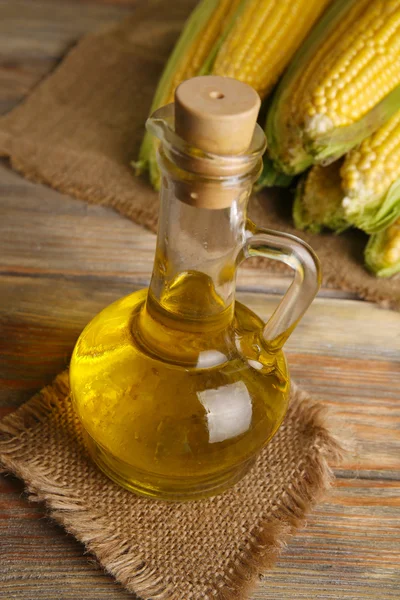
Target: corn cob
x,y
364,186
201,32
343,83
382,254
370,179
318,200
251,40
262,41
318,204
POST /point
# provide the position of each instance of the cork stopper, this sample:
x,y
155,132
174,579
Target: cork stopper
x,y
217,115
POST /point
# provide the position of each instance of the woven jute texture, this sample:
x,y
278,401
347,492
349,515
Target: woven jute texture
x,y
80,129
207,550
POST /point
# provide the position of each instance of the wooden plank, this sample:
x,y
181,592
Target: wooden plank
x,y
332,328
42,317
350,549
45,232
44,29
39,560
342,328
34,34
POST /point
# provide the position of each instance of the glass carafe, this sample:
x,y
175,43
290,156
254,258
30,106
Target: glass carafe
x,y
178,387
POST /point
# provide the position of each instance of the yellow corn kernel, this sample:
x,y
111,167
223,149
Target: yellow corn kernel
x,y
198,51
369,170
263,40
354,68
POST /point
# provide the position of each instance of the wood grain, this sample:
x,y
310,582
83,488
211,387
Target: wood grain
x,y
61,261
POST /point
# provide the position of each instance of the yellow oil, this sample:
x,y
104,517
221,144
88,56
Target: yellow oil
x,y
177,396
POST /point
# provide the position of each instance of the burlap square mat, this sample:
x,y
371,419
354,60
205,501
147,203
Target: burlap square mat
x,y
207,550
80,129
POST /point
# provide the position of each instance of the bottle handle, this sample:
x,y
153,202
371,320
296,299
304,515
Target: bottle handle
x,y
307,278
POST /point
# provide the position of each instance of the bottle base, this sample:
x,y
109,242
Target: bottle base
x,y
156,487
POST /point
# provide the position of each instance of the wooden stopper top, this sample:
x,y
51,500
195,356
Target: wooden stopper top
x,y
216,114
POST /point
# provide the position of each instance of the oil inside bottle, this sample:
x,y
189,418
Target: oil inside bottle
x,y
177,395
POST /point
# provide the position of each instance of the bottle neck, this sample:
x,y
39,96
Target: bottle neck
x,y
194,271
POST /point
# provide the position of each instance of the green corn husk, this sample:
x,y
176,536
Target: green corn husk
x,y
373,215
321,202
382,253
270,177
370,179
318,200
294,148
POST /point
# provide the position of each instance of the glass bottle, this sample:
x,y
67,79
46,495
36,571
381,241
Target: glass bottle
x,y
179,387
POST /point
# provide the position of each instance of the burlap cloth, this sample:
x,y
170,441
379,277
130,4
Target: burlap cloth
x,y
207,550
79,130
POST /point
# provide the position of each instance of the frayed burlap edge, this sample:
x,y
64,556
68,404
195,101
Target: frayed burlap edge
x,y
114,553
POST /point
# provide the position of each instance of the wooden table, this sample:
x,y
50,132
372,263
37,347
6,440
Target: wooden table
x,y
61,261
